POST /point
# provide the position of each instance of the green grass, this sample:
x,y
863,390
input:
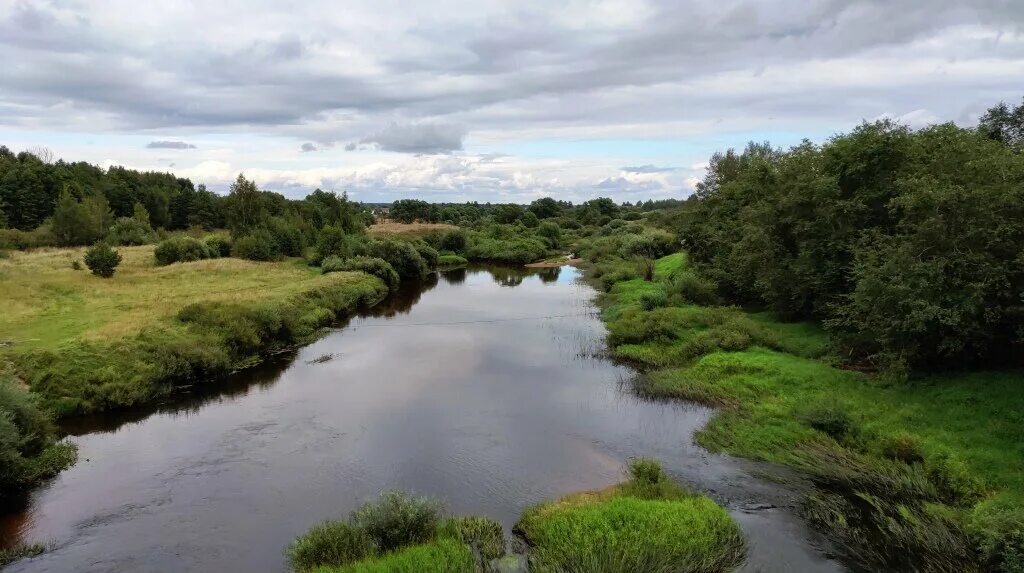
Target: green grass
x,y
448,260
88,344
646,524
928,472
398,532
441,556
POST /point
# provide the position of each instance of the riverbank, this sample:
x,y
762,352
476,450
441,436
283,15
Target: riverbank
x,y
922,475
86,344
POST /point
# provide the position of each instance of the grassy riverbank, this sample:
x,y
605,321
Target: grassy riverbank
x,y
87,344
926,474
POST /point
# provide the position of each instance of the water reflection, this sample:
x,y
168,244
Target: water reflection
x,y
479,386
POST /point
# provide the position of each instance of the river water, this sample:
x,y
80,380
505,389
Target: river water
x,y
484,387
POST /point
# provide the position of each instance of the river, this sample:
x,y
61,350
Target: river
x,y
485,388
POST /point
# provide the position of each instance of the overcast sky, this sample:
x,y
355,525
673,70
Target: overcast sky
x,y
484,100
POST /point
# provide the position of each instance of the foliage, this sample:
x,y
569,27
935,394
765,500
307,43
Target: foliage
x,y
102,260
330,543
182,250
397,520
259,245
29,452
448,260
905,243
453,241
80,222
218,245
18,552
369,265
332,242
130,231
401,255
483,534
428,253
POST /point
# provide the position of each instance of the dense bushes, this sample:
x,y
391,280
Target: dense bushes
x,y
401,255
905,243
219,246
28,451
182,250
102,260
369,265
130,231
259,245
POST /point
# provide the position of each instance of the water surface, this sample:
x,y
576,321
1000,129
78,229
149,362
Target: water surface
x,y
484,388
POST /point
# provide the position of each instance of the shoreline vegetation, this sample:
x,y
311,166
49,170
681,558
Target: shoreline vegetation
x,y
648,523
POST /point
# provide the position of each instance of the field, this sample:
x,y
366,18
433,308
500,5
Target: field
x,y
86,343
412,230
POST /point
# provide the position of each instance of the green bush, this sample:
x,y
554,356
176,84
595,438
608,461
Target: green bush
x,y
330,543
218,246
653,299
288,237
332,242
180,250
694,288
369,265
551,233
483,534
398,520
646,471
29,452
130,231
832,419
453,241
259,245
903,447
429,254
102,260
401,255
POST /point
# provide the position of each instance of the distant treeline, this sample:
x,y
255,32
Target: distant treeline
x,y
594,212
909,245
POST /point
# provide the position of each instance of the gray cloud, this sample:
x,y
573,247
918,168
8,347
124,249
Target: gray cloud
x,y
648,169
169,145
417,138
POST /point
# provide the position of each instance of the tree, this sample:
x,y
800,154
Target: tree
x,y
1004,125
102,260
80,223
507,213
545,208
246,209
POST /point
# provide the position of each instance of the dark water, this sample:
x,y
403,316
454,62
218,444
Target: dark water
x,y
483,388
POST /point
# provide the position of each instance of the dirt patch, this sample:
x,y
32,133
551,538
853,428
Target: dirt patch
x,y
559,262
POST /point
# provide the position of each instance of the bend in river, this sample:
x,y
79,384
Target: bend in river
x,y
484,387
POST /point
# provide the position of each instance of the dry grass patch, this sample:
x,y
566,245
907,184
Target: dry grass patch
x,y
408,229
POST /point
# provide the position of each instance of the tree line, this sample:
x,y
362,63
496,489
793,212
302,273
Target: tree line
x,y
908,245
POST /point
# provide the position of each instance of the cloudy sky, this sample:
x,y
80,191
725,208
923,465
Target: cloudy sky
x,y
481,99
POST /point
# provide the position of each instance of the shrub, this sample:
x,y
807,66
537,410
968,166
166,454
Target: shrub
x,y
401,255
180,250
289,238
646,471
428,253
651,300
257,246
219,246
551,233
693,288
453,241
397,520
483,534
903,447
331,242
28,452
832,419
130,231
102,260
369,265
330,543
